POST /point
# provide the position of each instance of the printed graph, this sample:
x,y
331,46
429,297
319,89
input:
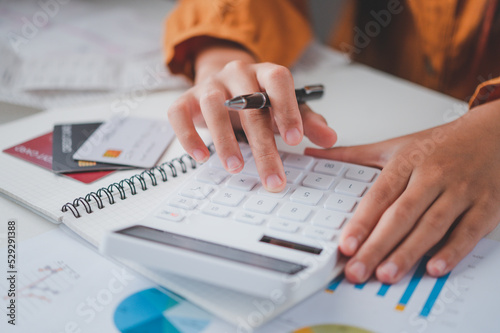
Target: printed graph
x,y
41,286
409,290
457,302
154,310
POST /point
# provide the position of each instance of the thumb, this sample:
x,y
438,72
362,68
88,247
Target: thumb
x,y
375,154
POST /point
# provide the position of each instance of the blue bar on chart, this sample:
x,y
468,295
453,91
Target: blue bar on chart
x,y
415,279
436,290
360,285
334,284
383,289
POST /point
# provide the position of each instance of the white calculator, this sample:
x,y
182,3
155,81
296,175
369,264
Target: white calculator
x,y
227,230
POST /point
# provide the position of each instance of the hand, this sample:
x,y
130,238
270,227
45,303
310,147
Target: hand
x,y
219,78
438,185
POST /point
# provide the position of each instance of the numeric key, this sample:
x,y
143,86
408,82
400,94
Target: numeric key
x,y
319,181
306,196
260,204
228,197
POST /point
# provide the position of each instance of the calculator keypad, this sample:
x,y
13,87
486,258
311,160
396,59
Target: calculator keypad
x,y
319,199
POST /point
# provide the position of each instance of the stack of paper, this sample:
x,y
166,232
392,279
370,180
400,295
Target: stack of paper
x,y
58,54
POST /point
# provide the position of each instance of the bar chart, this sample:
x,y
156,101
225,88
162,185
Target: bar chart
x,y
462,301
409,289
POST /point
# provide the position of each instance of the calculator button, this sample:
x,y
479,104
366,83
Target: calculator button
x,y
306,196
246,152
182,202
278,195
294,212
211,176
228,197
328,219
293,176
216,210
250,218
215,162
283,226
329,167
242,182
171,214
196,190
319,233
340,203
359,173
319,181
250,168
351,187
298,161
260,204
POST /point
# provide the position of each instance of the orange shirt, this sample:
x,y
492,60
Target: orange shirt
x,y
452,46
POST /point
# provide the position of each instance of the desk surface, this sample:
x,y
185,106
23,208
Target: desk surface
x,y
10,112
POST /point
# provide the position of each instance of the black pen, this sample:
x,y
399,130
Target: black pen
x,y
260,100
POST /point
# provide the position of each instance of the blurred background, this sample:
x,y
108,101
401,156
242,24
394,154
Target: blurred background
x,y
57,53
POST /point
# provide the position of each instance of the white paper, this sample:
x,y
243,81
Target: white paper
x,y
58,53
66,286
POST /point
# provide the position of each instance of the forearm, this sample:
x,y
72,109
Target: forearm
x,y
273,31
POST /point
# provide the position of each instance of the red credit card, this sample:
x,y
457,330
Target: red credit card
x,y
39,151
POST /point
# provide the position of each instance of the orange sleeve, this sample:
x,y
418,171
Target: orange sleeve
x,y
272,30
486,92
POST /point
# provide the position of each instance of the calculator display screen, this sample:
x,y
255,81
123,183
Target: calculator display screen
x,y
290,245
212,249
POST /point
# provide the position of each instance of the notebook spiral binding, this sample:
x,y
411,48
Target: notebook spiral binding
x,y
130,183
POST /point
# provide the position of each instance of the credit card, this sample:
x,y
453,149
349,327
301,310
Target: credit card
x,y
131,141
39,152
67,138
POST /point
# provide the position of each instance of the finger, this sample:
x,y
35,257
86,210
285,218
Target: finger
x,y
258,128
219,124
397,221
386,189
371,154
474,225
277,81
431,228
180,116
316,128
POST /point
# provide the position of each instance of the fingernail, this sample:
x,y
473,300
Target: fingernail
x,y
293,136
388,270
358,270
351,244
199,155
273,181
439,267
233,163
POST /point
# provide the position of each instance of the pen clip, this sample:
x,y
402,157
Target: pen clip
x,y
317,88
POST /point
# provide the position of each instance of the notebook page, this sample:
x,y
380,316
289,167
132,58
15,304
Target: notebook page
x,y
130,210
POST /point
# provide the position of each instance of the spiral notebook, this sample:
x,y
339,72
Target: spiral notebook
x,y
47,193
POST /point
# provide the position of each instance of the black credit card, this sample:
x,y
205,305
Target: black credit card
x,y
67,138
